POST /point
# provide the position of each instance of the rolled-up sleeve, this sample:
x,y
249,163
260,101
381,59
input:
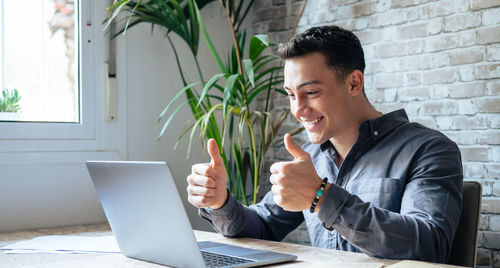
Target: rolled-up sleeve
x,y
430,209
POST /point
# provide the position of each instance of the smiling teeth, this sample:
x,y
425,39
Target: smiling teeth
x,y
313,122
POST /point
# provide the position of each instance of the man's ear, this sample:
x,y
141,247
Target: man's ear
x,y
355,82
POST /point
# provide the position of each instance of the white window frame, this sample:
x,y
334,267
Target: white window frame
x,y
93,133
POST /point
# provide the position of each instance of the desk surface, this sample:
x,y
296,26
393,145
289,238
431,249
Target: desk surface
x,y
306,255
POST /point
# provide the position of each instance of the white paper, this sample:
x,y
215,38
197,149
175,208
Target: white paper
x,y
64,244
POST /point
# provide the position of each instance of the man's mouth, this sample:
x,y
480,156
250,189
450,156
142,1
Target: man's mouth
x,y
311,123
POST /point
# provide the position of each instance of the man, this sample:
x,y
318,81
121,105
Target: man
x,y
393,189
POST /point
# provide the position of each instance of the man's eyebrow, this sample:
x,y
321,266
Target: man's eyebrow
x,y
304,84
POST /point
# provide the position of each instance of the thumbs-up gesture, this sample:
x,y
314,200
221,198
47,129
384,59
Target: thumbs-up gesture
x,y
294,183
207,181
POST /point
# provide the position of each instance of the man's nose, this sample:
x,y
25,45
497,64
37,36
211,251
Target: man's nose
x,y
301,107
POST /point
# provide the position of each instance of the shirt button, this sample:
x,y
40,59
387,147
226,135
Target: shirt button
x,y
332,232
375,133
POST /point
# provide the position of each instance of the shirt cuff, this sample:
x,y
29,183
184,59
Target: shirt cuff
x,y
224,211
332,205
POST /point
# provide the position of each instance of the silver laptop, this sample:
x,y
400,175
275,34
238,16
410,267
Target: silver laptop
x,y
148,219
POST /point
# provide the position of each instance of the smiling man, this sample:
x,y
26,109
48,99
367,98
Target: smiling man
x,y
365,182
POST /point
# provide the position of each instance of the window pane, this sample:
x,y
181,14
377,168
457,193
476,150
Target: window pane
x,y
39,59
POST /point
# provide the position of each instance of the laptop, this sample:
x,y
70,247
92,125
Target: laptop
x,y
147,217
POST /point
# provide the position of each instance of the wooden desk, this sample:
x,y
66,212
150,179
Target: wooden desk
x,y
306,255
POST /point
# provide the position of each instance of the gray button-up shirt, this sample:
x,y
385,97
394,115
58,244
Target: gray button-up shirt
x,y
397,194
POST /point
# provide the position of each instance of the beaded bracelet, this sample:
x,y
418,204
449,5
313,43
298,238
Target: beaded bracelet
x,y
319,193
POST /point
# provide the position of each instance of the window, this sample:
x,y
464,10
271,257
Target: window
x,y
46,58
39,52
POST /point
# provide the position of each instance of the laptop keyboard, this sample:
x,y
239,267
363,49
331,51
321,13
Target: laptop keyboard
x,y
217,260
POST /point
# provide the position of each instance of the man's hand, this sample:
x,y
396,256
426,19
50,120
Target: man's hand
x,y
207,181
295,182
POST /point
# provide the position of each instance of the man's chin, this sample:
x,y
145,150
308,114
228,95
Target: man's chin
x,y
316,139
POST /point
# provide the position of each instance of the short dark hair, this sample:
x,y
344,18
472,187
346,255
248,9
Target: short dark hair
x,y
341,48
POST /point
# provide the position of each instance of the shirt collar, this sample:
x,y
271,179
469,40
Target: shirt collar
x,y
380,126
376,128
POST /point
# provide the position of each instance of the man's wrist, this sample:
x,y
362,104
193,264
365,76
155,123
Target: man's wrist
x,y
319,194
318,206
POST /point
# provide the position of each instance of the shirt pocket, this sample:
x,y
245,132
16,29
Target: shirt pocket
x,y
380,192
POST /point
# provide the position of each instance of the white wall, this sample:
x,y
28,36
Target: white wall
x,y
152,81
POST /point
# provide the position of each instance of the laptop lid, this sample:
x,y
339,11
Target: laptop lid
x,y
146,214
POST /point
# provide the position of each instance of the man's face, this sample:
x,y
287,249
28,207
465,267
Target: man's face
x,y
317,99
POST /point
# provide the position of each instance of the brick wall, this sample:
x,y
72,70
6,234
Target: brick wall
x,y
440,60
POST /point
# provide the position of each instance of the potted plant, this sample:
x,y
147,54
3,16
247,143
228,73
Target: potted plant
x,y
9,105
244,133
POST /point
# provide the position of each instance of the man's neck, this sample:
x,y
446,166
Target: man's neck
x,y
343,143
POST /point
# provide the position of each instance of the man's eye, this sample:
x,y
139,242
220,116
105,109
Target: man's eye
x,y
291,95
312,92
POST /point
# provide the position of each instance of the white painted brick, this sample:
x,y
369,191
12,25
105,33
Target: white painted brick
x,y
461,22
463,122
493,52
390,95
473,170
484,222
491,137
488,35
440,92
415,46
407,3
360,23
413,79
439,76
488,71
491,240
466,73
414,93
443,122
435,26
494,154
440,59
491,16
490,205
463,137
489,105
493,171
369,36
370,52
441,42
474,153
387,18
487,187
481,4
468,90
413,31
389,80
388,107
382,5
427,121
390,64
439,107
467,38
413,14
438,9
391,49
373,66
467,56
413,108
467,107
494,87
390,33
493,121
